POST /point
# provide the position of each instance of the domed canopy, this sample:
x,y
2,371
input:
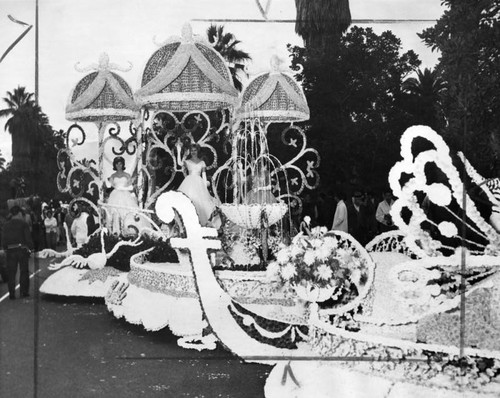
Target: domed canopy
x,y
275,97
101,96
186,74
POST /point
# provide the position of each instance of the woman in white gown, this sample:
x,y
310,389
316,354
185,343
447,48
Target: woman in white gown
x,y
123,216
195,184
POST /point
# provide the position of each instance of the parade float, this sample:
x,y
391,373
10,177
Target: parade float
x,y
385,324
186,97
251,187
415,313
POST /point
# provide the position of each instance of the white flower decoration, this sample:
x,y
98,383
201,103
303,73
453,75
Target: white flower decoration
x,y
344,256
356,277
439,194
322,253
283,256
318,232
288,271
447,229
297,238
309,257
330,243
316,243
324,272
273,271
296,250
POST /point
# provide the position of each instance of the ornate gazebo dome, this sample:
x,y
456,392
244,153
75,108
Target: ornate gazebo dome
x,y
273,97
186,74
101,95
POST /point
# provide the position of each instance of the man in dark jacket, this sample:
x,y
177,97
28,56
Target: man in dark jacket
x,y
356,214
17,243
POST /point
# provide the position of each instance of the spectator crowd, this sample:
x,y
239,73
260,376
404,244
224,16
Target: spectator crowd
x,y
50,224
361,214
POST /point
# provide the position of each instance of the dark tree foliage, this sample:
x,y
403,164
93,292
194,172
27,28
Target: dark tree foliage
x,y
354,95
467,36
422,98
23,118
34,145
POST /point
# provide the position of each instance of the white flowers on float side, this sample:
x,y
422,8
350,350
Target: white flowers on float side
x,y
317,259
288,272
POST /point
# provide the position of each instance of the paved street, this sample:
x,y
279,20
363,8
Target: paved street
x,y
83,351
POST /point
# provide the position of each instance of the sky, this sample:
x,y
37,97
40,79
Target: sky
x,y
72,31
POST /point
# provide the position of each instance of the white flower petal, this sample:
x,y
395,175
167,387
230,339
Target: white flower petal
x,y
439,194
448,229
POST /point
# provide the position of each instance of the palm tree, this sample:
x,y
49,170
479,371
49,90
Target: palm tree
x,y
225,44
425,93
321,22
25,120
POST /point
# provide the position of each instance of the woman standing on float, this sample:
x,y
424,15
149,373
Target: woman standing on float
x,y
122,216
195,184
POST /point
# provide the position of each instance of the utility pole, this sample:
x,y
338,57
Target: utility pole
x,y
36,51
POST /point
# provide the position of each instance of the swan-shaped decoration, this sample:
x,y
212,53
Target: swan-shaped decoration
x,y
248,335
95,260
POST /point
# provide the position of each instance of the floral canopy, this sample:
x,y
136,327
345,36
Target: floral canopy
x,y
186,74
101,95
273,96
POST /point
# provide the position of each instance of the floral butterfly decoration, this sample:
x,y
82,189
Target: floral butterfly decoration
x,y
433,199
443,206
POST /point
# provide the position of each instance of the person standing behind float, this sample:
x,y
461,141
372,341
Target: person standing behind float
x,y
357,216
383,214
26,211
68,220
17,242
79,228
60,223
325,209
51,226
340,222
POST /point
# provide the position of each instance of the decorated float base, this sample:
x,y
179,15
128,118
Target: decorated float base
x,y
411,311
73,282
395,348
161,295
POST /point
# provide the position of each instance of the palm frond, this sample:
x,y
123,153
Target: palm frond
x,y
5,112
212,33
225,44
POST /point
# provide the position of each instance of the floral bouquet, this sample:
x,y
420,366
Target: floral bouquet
x,y
319,267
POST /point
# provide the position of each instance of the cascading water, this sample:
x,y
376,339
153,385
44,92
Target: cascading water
x,y
253,179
